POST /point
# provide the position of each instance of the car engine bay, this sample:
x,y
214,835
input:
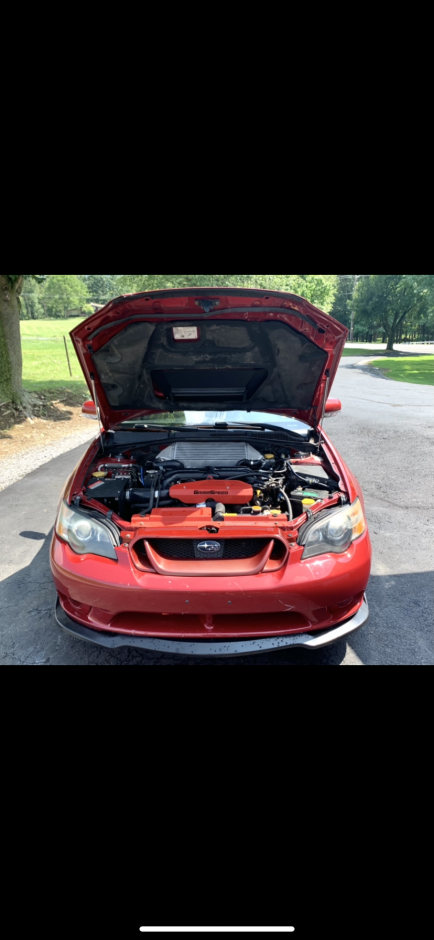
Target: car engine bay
x,y
233,478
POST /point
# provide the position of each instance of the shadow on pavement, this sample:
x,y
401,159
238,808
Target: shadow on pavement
x,y
30,636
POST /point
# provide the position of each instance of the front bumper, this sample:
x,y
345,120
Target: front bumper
x,y
311,596
216,647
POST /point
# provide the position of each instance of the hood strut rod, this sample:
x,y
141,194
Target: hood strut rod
x,y
95,398
326,391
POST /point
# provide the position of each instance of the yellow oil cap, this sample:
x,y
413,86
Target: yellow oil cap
x,y
256,508
269,456
275,512
99,474
308,502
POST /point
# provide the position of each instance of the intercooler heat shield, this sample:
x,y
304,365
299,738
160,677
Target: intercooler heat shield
x,y
222,491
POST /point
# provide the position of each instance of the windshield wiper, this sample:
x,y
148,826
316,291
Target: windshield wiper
x,y
170,427
276,428
149,427
223,425
191,427
219,426
205,427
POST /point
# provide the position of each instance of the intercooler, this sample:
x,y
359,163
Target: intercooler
x,y
219,454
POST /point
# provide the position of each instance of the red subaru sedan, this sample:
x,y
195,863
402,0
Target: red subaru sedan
x,y
212,514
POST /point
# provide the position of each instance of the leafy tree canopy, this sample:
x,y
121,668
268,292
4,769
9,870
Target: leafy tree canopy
x,y
100,287
385,301
63,292
37,277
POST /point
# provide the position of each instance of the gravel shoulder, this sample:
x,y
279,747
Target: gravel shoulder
x,y
27,446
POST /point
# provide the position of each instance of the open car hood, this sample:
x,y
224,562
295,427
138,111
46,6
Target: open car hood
x,y
209,349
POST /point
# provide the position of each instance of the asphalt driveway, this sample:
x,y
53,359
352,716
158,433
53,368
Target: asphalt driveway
x,y
385,433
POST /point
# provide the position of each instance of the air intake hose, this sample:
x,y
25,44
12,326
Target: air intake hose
x,y
219,513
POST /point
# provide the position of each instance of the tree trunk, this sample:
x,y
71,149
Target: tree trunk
x,y
390,340
11,362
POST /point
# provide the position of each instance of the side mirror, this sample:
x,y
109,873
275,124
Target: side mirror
x,y
88,410
332,406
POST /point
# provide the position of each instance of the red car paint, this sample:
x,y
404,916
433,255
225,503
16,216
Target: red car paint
x,y
145,594
332,405
299,597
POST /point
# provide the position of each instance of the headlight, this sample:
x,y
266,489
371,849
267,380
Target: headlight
x,y
85,534
334,532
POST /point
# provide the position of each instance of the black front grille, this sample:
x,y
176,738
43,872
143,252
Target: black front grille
x,y
174,548
243,548
187,549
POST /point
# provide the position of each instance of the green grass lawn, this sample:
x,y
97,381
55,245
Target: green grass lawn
x,y
367,351
363,351
417,369
47,328
45,364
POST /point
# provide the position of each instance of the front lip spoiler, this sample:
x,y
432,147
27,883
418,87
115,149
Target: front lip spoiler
x,y
214,648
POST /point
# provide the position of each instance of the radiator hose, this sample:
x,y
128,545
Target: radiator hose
x,y
288,503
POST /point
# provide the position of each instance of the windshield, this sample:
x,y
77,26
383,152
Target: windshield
x,y
210,418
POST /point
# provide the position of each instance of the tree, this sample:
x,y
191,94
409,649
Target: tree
x,y
31,306
100,287
63,292
423,285
320,289
341,309
384,301
11,363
